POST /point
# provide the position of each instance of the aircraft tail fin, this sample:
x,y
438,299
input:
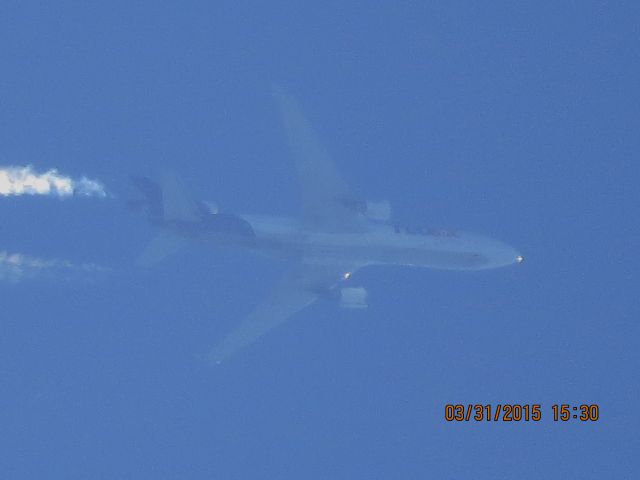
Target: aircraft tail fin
x,y
166,199
152,202
177,203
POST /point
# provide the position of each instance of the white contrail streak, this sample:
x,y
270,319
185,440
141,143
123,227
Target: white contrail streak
x,y
15,267
25,181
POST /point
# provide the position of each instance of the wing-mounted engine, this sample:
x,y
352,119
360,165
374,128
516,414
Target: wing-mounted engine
x,y
353,297
206,208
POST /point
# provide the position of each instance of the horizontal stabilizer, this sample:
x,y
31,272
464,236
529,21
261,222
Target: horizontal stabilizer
x,y
165,244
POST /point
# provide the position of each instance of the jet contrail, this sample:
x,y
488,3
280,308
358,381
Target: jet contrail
x,y
15,267
15,181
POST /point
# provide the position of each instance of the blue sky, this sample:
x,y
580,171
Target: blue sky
x,y
517,120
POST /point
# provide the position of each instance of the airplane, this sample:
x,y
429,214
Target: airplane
x,y
336,235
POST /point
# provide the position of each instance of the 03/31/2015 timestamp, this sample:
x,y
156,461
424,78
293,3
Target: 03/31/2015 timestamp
x,y
516,412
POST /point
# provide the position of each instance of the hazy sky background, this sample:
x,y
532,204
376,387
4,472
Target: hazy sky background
x,y
518,120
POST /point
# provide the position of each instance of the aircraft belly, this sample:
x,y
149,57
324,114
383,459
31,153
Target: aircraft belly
x,y
368,249
368,254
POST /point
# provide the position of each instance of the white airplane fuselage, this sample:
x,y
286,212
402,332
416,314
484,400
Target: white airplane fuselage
x,y
336,234
378,244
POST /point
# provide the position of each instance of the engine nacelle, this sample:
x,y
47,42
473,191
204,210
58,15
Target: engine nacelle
x,y
353,297
210,207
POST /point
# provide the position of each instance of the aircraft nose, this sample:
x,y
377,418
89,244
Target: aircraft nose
x,y
507,255
496,253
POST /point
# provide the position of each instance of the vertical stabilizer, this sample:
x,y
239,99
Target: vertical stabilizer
x,y
166,203
166,199
176,202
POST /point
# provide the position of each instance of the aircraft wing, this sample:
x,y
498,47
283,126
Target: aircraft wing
x,y
328,204
299,288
